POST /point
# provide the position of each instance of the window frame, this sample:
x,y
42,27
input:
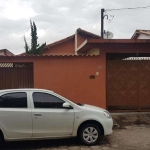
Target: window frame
x,y
13,92
51,94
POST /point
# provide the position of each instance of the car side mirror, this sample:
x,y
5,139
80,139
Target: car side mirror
x,y
67,105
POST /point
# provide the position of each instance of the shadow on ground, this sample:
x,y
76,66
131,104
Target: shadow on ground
x,y
47,144
120,121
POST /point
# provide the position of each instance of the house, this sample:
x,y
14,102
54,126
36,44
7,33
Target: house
x,y
110,73
5,52
71,45
141,34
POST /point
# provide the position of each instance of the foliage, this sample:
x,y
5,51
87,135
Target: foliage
x,y
35,48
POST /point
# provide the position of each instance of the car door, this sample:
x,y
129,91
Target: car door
x,y
50,119
15,115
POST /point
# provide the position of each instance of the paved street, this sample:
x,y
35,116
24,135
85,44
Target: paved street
x,y
131,138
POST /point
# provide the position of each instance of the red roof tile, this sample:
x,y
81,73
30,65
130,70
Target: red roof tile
x,y
60,41
79,30
44,55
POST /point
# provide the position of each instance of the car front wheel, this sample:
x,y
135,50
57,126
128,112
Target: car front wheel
x,y
1,139
90,134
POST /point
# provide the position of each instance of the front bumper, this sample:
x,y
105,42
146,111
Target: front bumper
x,y
107,126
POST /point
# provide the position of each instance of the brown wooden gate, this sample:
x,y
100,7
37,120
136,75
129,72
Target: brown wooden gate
x,y
16,75
128,84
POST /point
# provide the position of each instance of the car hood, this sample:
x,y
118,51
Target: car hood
x,y
90,107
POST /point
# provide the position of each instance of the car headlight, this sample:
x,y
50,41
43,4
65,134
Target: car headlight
x,y
107,115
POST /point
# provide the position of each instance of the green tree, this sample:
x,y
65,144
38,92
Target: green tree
x,y
35,48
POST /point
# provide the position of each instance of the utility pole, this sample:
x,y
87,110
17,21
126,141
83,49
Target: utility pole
x,y
102,22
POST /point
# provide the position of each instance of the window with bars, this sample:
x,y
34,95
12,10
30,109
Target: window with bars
x,y
16,65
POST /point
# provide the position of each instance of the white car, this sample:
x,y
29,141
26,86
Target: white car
x,y
27,114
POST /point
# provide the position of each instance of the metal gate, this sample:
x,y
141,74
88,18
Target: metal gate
x,y
16,75
128,84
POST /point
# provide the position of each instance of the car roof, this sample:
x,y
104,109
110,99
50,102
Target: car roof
x,y
25,89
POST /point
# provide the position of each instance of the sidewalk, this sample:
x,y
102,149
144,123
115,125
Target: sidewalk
x,y
121,120
131,138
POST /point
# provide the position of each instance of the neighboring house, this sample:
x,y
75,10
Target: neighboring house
x,y
71,45
141,34
5,52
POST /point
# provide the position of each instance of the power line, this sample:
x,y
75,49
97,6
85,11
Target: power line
x,y
127,8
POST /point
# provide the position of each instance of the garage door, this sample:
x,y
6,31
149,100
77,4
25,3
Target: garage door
x,y
16,75
128,84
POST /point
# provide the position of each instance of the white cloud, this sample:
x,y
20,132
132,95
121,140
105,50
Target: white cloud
x,y
14,10
56,19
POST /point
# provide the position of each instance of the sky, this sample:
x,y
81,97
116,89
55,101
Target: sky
x,y
58,19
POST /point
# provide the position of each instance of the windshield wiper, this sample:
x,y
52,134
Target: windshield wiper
x,y
80,104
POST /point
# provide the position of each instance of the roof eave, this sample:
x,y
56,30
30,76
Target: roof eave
x,y
80,31
118,41
91,43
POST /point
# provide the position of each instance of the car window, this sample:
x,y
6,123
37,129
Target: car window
x,y
13,100
44,100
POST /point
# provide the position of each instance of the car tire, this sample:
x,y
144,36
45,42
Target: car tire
x,y
90,134
1,139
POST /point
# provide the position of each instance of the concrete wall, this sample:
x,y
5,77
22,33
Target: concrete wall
x,y
143,36
80,40
70,75
66,47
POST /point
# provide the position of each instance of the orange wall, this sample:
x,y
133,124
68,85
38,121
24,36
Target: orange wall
x,y
66,47
80,39
69,75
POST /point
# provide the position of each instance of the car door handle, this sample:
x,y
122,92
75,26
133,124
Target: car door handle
x,y
37,114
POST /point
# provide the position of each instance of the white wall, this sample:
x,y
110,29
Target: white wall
x,y
1,53
143,36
